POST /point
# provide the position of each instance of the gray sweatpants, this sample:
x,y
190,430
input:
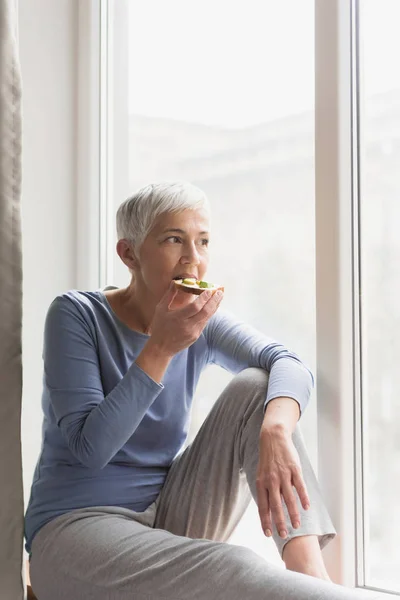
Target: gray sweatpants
x,y
176,549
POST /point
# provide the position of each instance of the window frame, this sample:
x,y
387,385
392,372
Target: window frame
x,y
102,93
336,280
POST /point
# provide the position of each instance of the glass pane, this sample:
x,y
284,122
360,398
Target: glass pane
x,y
222,95
380,256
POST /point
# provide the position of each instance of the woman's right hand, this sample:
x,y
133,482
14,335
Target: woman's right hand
x,y
173,330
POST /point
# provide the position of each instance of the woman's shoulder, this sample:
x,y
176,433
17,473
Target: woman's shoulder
x,y
77,305
78,299
79,314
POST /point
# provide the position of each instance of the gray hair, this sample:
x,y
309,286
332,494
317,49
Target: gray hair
x,y
136,215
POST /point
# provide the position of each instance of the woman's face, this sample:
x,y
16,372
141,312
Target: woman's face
x,y
175,248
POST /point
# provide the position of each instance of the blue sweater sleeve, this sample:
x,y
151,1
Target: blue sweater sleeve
x,y
94,426
236,346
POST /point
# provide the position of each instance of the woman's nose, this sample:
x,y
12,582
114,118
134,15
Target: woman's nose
x,y
190,255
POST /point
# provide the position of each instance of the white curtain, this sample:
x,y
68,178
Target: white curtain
x,y
11,489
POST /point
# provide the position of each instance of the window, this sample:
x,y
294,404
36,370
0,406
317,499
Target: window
x,y
222,94
380,285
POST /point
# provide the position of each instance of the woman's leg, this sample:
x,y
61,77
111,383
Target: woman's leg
x,y
207,488
105,553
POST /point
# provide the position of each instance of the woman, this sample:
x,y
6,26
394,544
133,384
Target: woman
x,y
116,509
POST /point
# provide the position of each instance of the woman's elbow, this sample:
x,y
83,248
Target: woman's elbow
x,y
93,461
89,456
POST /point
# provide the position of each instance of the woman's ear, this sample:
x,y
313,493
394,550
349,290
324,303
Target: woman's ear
x,y
126,253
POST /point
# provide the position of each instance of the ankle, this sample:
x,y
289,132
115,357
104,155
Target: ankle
x,y
303,553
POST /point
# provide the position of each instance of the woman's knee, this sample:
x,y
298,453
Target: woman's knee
x,y
251,381
244,395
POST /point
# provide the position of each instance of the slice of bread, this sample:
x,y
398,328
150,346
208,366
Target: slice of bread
x,y
195,287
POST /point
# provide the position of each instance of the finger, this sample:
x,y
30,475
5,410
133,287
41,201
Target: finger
x,y
169,295
209,307
275,503
291,504
263,509
195,307
298,483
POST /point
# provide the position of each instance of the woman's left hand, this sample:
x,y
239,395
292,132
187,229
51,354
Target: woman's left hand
x,y
279,469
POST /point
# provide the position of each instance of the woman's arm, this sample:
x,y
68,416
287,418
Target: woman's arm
x,y
281,416
236,346
94,426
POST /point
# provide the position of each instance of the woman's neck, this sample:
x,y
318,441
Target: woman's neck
x,y
133,306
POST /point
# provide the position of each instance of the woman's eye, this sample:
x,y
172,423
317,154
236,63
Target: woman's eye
x,y
173,239
205,242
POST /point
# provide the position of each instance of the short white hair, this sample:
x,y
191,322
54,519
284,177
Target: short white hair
x,y
136,215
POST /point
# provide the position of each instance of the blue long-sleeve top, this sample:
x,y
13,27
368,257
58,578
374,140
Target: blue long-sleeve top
x,y
110,432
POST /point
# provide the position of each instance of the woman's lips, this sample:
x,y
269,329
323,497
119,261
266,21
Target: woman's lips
x,y
186,276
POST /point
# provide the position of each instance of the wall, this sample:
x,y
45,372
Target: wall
x,y
48,40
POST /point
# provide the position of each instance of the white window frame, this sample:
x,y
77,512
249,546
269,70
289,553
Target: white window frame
x,y
88,153
103,92
335,279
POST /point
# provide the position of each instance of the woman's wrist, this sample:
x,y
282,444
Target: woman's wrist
x,y
158,350
281,416
278,430
154,360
